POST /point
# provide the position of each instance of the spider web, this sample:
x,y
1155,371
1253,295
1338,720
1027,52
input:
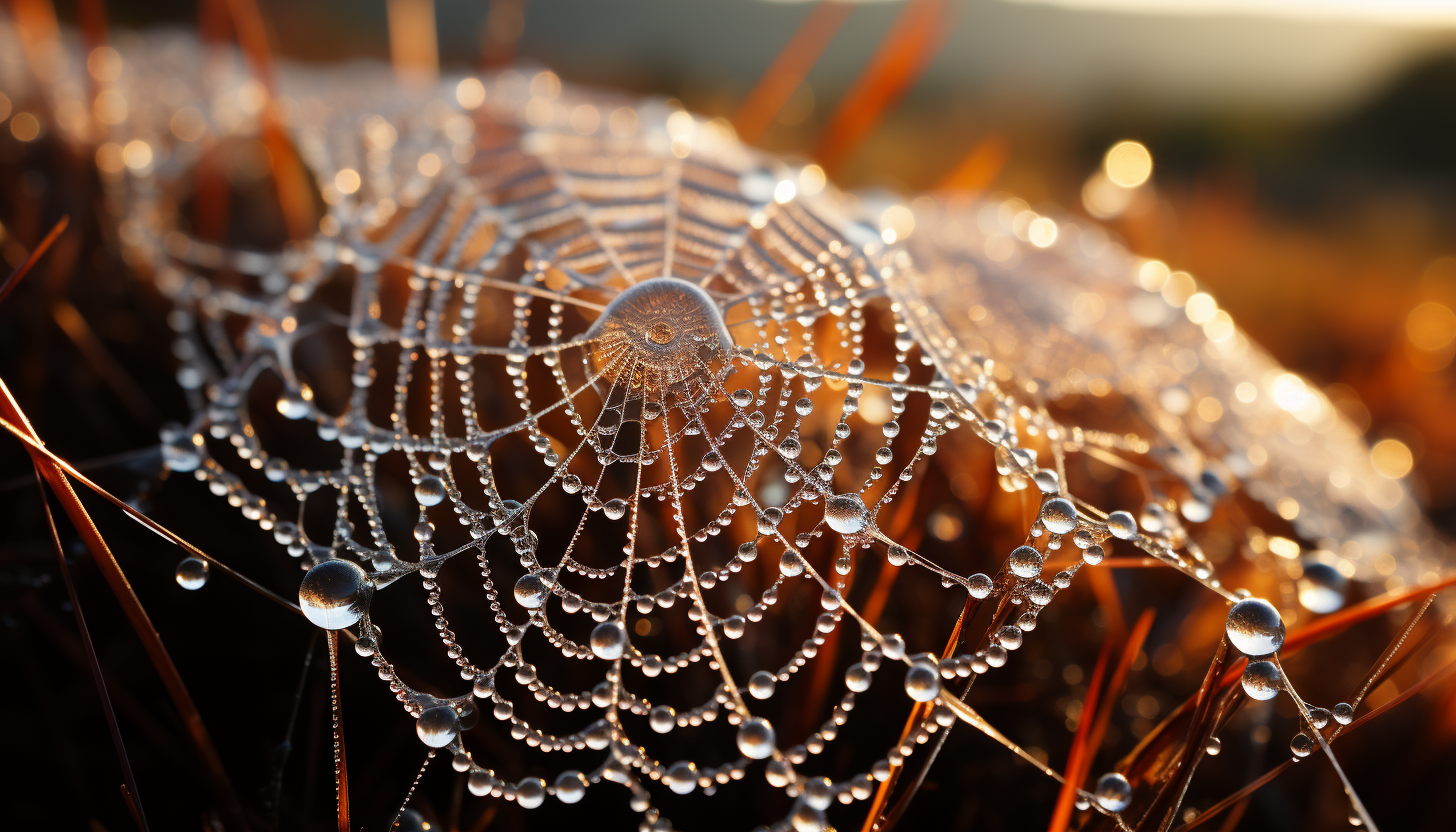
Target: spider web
x,y
466,270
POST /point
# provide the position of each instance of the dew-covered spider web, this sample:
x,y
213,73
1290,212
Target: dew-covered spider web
x,y
657,413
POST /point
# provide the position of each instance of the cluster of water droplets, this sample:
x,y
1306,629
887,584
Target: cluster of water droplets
x,y
563,341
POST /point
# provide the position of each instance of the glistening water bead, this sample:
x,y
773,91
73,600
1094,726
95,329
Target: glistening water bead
x,y
681,777
1059,515
1122,525
1254,627
1025,562
334,594
570,786
532,590
430,491
846,513
756,738
1321,586
922,681
608,640
514,273
1262,680
192,573
438,726
1113,792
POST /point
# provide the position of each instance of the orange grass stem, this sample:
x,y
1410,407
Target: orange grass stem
x,y
1242,794
914,39
136,614
40,249
788,70
1062,812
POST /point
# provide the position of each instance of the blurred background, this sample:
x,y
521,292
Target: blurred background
x,y
1295,156
1301,150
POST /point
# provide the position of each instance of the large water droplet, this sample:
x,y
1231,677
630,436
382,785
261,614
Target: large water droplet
x,y
761,684
1122,525
846,513
192,573
922,681
681,777
1113,792
608,640
570,786
756,738
334,594
430,491
532,590
1254,627
662,718
1261,680
1344,713
1025,562
657,334
438,726
806,818
980,585
1301,744
1059,515
1321,586
531,792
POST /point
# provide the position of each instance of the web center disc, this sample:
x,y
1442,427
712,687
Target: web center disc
x,y
657,335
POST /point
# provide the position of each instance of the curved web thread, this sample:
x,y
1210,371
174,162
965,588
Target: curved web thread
x,y
482,251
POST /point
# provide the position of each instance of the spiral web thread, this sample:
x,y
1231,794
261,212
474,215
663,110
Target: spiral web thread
x,y
480,239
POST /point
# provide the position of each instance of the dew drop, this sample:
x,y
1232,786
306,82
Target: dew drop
x,y
1261,680
662,718
430,490
1025,562
756,738
761,685
681,777
1254,627
980,585
1113,792
531,792
846,513
1321,587
438,726
334,594
1059,515
791,565
608,640
922,681
192,573
570,786
1301,744
1122,525
532,590
1047,481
